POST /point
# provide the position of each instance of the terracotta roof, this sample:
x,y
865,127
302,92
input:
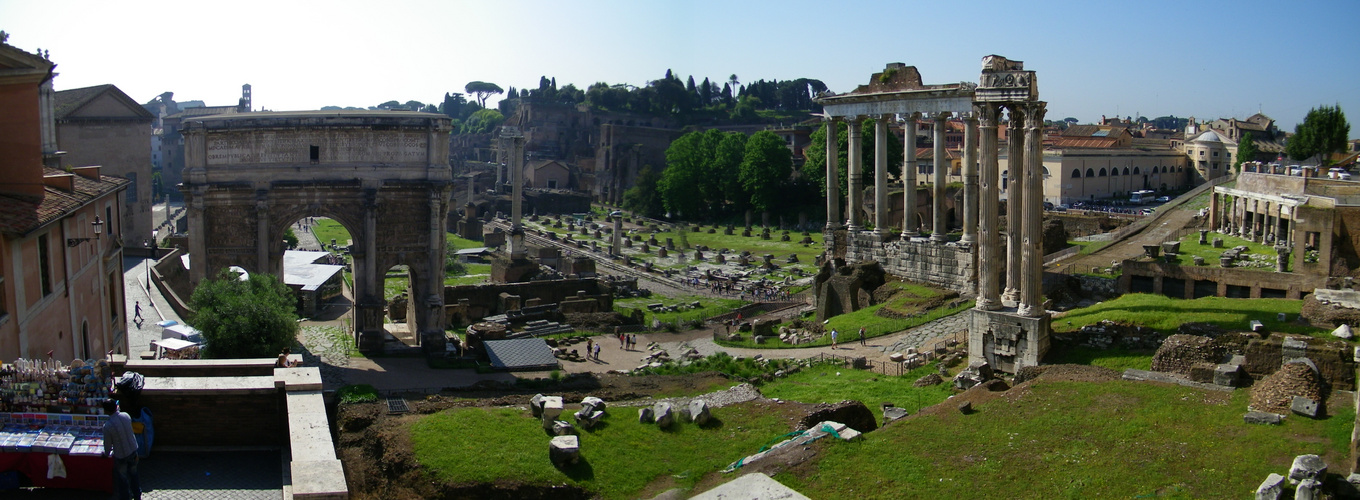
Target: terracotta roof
x,y
66,102
929,154
20,215
1084,142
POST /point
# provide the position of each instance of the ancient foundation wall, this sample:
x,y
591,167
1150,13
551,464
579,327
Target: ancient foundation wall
x,y
949,265
1225,282
470,303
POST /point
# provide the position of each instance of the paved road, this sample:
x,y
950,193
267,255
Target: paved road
x,y
1160,230
154,306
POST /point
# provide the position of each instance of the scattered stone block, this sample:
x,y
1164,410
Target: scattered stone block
x,y
1307,407
891,413
1263,418
645,415
592,402
966,407
1272,488
563,428
1199,261
1342,332
663,415
564,450
896,357
588,419
1307,467
698,412
552,408
1256,326
1218,242
536,405
1308,489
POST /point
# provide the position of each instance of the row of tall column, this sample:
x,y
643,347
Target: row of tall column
x,y
855,196
1024,213
1254,219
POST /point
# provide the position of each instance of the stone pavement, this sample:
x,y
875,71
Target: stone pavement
x,y
876,349
154,306
235,475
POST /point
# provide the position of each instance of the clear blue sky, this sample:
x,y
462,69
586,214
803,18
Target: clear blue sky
x,y
1152,58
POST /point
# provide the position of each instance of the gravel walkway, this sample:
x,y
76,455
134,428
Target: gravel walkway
x,y
738,394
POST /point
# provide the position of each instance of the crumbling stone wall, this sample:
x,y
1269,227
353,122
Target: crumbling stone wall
x,y
949,266
1276,392
470,303
841,289
1180,353
1333,358
1107,334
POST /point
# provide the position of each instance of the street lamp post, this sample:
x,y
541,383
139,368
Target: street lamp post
x,y
149,263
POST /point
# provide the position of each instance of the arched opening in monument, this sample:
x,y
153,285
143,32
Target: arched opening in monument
x,y
316,262
396,286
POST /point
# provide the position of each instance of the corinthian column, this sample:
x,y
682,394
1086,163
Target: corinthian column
x,y
881,174
1032,257
989,249
856,169
970,179
909,225
833,183
940,231
1015,196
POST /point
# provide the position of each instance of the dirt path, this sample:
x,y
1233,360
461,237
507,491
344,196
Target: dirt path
x,y
1160,230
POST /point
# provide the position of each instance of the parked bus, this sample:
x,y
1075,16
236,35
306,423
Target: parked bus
x,y
1144,196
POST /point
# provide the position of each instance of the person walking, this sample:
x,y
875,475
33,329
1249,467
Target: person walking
x,y
137,311
122,444
861,335
834,333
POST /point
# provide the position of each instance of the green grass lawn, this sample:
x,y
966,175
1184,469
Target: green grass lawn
x,y
328,229
1075,440
831,383
618,458
709,307
1090,247
476,273
758,247
1165,314
848,325
1190,247
1115,359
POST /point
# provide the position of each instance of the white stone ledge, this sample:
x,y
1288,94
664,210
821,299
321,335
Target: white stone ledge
x,y
318,480
170,386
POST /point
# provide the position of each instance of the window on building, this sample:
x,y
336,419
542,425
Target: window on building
x,y
1102,173
1126,170
1076,173
315,154
1136,172
1215,154
1201,152
44,266
132,187
1090,173
552,183
108,222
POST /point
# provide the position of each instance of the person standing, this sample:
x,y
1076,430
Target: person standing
x,y
861,335
597,352
834,333
590,346
122,444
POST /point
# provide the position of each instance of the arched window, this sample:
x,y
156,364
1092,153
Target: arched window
x,y
1076,173
1102,172
1126,170
1090,173
1046,172
1136,172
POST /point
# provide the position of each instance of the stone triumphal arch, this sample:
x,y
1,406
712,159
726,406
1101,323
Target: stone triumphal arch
x,y
384,175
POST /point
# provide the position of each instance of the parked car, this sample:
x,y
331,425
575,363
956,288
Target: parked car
x,y
1163,199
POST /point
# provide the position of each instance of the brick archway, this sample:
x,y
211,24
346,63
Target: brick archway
x,y
383,175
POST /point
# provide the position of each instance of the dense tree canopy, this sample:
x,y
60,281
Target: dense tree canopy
x,y
251,318
1246,151
765,168
1324,131
643,197
484,121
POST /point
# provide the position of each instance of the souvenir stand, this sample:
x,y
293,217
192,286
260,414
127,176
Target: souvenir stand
x,y
47,410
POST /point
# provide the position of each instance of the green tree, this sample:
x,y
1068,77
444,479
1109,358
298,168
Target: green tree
x,y
482,90
725,169
251,318
1246,151
1322,132
680,182
290,238
814,169
483,122
765,169
643,197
